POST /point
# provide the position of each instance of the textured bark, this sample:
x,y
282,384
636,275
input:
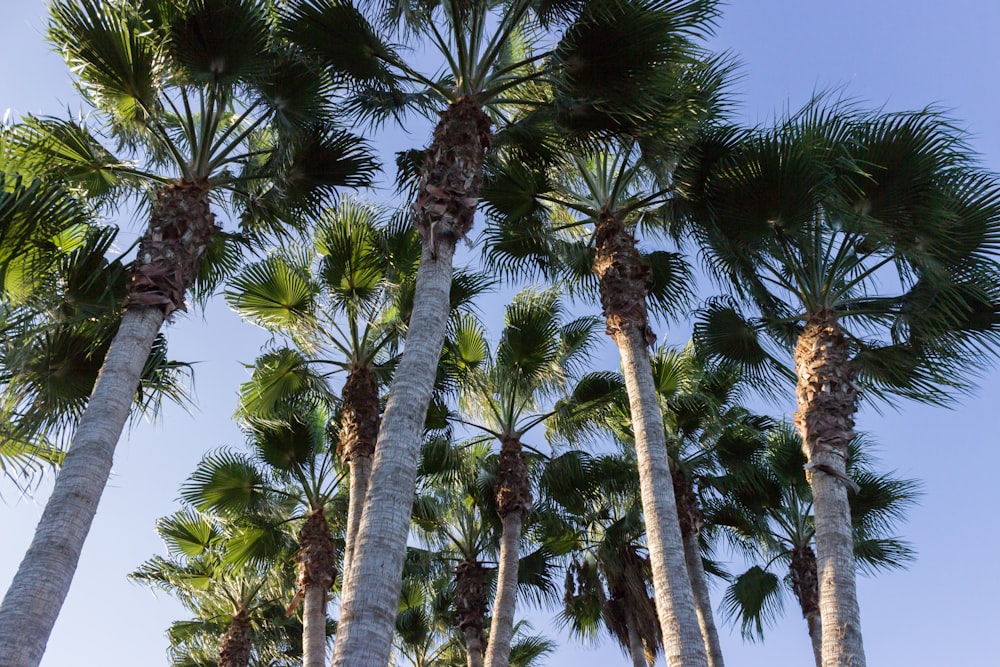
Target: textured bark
x,y
235,646
513,501
474,643
316,574
636,649
314,627
471,592
827,400
691,522
702,601
622,280
181,227
805,585
358,434
39,588
815,624
443,213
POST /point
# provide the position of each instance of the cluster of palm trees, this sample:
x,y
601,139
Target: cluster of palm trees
x,y
857,253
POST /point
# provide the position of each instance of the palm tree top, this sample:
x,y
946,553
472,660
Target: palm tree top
x,y
202,92
601,60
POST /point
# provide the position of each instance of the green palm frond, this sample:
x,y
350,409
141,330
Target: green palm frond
x,y
116,53
338,34
32,218
755,600
722,333
314,164
221,40
274,294
187,533
528,650
616,66
67,151
226,481
670,286
281,377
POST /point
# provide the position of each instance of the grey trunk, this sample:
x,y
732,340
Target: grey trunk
x,y
838,600
361,472
369,602
816,637
636,649
702,600
473,647
826,394
314,627
682,642
502,626
43,579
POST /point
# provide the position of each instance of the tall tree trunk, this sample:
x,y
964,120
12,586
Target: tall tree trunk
x,y
636,649
827,401
358,434
622,279
471,591
36,594
235,646
180,228
316,574
702,600
443,213
691,522
513,501
805,585
361,473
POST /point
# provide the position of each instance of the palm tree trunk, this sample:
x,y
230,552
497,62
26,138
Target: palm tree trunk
x,y
805,585
358,435
235,647
691,521
316,574
471,591
36,594
622,279
181,226
473,647
702,600
502,625
361,472
636,649
443,212
314,627
815,624
513,501
827,401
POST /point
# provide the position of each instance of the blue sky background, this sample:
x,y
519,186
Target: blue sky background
x,y
897,53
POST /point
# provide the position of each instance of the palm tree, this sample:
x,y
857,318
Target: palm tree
x,y
210,104
502,396
867,243
608,579
490,74
233,601
343,307
292,459
453,517
576,220
787,535
456,519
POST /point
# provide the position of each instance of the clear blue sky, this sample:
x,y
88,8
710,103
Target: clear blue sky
x,y
897,53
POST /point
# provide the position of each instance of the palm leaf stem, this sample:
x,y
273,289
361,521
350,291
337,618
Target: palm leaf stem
x,y
511,19
239,139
